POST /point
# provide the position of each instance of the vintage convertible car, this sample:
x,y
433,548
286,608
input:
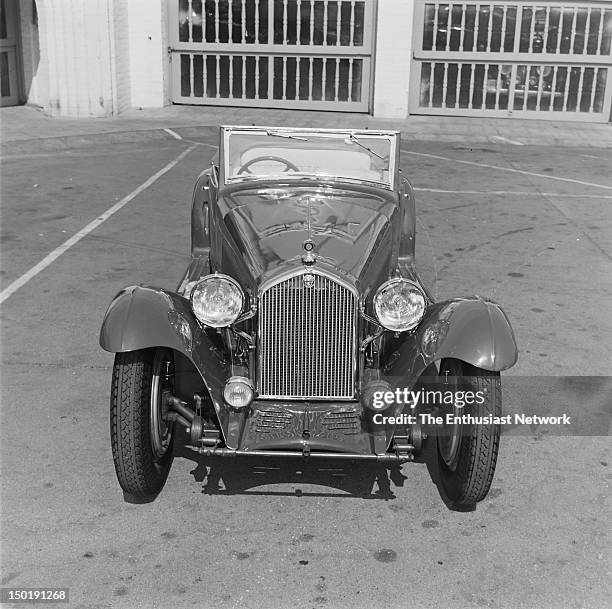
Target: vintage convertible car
x,y
301,327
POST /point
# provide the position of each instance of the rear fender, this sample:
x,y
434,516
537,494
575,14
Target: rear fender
x,y
473,330
142,317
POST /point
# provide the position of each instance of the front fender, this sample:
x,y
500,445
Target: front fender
x,y
140,317
474,330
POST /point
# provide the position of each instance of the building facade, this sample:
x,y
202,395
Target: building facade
x,y
390,58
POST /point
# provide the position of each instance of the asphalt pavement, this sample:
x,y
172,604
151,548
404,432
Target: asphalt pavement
x,y
528,225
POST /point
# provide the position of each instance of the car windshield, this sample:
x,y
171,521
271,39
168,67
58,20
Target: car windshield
x,y
260,153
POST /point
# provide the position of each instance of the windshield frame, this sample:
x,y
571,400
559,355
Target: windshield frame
x,y
294,132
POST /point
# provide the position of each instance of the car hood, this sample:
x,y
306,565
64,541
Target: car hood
x,y
350,229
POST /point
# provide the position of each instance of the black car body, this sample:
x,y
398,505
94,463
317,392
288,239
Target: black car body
x,y
299,318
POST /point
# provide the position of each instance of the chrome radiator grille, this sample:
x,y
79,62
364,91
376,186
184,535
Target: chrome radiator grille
x,y
307,339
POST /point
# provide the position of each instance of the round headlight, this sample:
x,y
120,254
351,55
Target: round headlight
x,y
238,392
399,304
217,300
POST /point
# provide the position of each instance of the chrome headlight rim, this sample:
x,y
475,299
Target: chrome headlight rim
x,y
233,283
389,284
238,380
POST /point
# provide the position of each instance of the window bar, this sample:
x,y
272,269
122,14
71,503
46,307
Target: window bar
x,y
546,26
587,31
298,35
476,27
190,20
284,78
231,76
310,74
553,88
530,31
257,41
593,86
312,8
580,86
573,37
350,80
448,28
243,27
284,22
458,85
462,33
445,80
490,27
230,23
338,22
243,72
191,76
567,84
204,72
325,18
527,79
600,33
498,85
560,30
434,45
216,21
324,76
352,25
471,91
337,84
540,88
217,75
502,44
431,84
484,86
298,60
257,74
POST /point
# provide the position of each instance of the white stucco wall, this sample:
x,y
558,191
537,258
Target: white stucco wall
x,y
393,50
96,57
75,48
148,56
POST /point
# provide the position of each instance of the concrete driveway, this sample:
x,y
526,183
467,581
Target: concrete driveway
x,y
529,226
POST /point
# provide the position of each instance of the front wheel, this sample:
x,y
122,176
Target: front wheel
x,y
467,447
141,439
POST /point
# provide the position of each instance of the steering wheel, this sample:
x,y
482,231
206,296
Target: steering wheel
x,y
289,166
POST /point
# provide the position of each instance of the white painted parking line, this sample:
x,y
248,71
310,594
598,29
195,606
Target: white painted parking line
x,y
504,140
529,193
174,134
510,169
58,251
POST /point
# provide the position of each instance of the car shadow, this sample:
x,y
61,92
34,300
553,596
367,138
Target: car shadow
x,y
242,476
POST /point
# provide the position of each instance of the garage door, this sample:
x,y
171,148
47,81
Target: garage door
x,y
312,54
526,59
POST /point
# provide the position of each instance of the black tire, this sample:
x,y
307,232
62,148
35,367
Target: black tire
x,y
142,463
467,456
